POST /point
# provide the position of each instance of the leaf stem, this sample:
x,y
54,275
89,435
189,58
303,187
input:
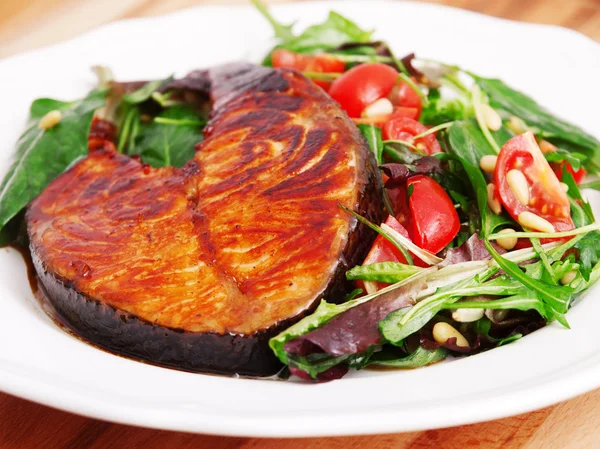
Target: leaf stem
x,y
544,235
477,103
434,130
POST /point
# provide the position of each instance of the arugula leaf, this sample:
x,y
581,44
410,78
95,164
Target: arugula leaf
x,y
372,134
42,155
589,253
578,202
404,322
420,357
168,140
520,105
575,159
336,31
283,32
388,272
557,299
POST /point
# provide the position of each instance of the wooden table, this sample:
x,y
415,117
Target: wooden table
x,y
27,24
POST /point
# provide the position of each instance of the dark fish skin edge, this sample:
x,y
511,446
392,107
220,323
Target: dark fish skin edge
x,y
249,355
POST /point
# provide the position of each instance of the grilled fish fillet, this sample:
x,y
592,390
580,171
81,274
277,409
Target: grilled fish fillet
x,y
197,267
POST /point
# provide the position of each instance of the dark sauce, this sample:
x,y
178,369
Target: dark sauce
x,y
46,306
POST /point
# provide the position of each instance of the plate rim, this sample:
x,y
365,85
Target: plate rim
x,y
53,396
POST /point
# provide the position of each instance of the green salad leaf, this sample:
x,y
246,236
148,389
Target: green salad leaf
x,y
169,139
336,31
551,127
42,155
388,272
420,357
372,134
469,145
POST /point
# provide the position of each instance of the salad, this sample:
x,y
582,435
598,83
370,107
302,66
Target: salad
x,y
488,237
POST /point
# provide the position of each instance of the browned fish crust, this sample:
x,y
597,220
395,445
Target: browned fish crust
x,y
196,268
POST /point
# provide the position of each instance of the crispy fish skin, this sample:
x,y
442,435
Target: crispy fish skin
x,y
197,267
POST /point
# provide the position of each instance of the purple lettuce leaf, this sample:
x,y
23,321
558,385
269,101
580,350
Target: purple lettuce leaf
x,y
399,173
357,329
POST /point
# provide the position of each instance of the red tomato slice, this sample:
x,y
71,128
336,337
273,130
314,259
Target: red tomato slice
x,y
434,221
408,112
547,198
406,97
308,63
578,175
383,251
404,128
362,85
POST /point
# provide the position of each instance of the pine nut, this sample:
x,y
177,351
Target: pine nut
x,y
532,221
50,120
568,277
516,125
383,106
467,315
488,163
492,201
518,184
507,243
443,331
491,118
496,315
564,186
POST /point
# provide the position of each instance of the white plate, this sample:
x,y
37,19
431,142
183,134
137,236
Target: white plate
x,y
39,361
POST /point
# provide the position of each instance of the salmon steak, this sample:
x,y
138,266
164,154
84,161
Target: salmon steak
x,y
197,267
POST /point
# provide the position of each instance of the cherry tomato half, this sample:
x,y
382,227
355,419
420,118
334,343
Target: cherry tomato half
x,y
405,96
405,129
547,198
578,175
362,85
434,221
308,63
383,251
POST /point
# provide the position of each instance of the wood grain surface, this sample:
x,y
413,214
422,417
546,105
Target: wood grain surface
x,y
575,424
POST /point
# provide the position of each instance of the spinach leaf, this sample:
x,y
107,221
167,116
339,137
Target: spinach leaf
x,y
372,134
168,140
145,92
469,145
42,155
420,357
388,272
516,103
